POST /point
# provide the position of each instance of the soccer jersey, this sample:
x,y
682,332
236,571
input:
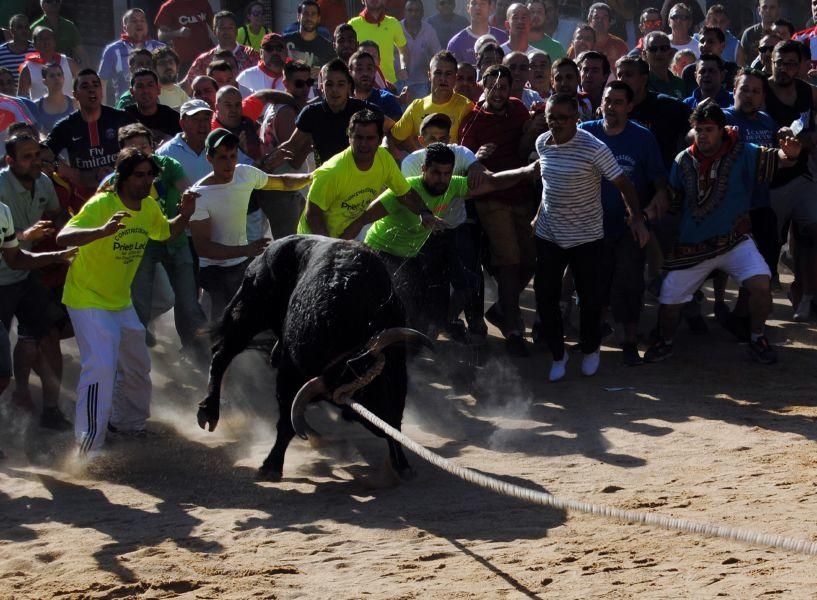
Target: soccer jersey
x,y
401,232
457,108
343,192
101,274
90,145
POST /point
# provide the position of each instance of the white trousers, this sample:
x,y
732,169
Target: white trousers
x,y
114,384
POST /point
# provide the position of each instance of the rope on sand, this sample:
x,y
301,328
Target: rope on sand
x,y
617,514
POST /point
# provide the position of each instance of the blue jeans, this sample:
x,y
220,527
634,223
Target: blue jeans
x,y
179,266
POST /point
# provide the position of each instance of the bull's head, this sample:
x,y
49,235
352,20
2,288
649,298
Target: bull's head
x,y
365,366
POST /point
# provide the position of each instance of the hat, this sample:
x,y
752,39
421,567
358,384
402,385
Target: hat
x,y
217,137
272,37
191,107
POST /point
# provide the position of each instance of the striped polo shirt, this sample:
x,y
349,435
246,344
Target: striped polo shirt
x,y
571,211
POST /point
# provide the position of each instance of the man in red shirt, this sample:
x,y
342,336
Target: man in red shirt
x,y
506,216
186,24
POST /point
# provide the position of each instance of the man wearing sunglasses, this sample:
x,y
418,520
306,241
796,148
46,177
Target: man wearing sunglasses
x,y
269,72
769,11
658,53
680,22
650,20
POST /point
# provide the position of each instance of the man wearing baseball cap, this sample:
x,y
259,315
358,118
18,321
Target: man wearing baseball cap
x,y
269,72
219,224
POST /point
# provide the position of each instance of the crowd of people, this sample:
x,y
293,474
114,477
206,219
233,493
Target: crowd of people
x,y
636,150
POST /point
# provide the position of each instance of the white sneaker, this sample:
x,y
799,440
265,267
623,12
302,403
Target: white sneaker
x,y
590,363
803,310
557,369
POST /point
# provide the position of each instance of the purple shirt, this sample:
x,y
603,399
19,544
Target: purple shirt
x,y
462,44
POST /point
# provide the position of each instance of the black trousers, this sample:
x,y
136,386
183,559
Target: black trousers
x,y
584,261
622,277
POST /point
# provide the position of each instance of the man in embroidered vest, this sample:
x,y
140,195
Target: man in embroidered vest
x,y
712,182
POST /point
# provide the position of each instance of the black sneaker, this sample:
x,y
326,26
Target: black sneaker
x,y
52,418
515,346
659,351
763,352
630,355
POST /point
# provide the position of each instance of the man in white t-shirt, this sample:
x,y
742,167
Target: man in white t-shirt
x,y
219,223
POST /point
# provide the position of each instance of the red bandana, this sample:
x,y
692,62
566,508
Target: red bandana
x,y
370,19
32,57
263,68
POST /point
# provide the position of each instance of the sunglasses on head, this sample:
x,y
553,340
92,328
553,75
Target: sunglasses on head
x,y
661,48
299,83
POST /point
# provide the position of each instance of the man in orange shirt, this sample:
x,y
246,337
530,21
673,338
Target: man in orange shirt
x,y
613,47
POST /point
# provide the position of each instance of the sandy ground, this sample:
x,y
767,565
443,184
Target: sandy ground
x,y
707,436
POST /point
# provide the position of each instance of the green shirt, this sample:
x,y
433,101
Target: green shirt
x,y
674,87
125,100
66,33
400,232
554,49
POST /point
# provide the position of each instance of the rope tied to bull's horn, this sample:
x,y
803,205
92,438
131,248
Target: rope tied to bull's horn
x,y
343,392
617,514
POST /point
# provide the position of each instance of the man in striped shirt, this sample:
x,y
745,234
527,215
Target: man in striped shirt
x,y
569,227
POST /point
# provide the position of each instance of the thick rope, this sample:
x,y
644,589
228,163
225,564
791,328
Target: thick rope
x,y
617,514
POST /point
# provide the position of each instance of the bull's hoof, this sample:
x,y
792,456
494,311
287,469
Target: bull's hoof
x,y
268,474
207,418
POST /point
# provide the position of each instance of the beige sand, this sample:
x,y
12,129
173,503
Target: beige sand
x,y
708,436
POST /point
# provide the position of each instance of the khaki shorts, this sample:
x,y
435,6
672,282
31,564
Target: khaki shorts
x,y
510,236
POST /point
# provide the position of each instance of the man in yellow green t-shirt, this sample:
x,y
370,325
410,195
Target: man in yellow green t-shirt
x,y
443,99
344,185
374,24
111,231
398,236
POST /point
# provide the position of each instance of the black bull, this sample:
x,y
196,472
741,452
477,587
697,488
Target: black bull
x,y
333,309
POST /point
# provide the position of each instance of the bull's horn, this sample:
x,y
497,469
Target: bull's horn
x,y
394,335
314,387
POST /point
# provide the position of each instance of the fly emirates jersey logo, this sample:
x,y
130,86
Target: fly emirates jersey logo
x,y
129,244
193,19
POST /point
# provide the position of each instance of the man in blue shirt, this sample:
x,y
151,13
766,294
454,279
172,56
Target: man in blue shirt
x,y
709,74
712,181
363,69
637,153
757,127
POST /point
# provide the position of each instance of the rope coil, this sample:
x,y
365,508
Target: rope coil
x,y
617,514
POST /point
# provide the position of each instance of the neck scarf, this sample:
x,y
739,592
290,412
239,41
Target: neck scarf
x,y
708,165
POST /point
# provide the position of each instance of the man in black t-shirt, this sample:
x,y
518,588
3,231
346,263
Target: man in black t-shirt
x,y
666,117
305,44
322,124
89,135
162,120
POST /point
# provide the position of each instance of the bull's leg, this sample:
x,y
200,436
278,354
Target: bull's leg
x,y
398,461
240,323
288,383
